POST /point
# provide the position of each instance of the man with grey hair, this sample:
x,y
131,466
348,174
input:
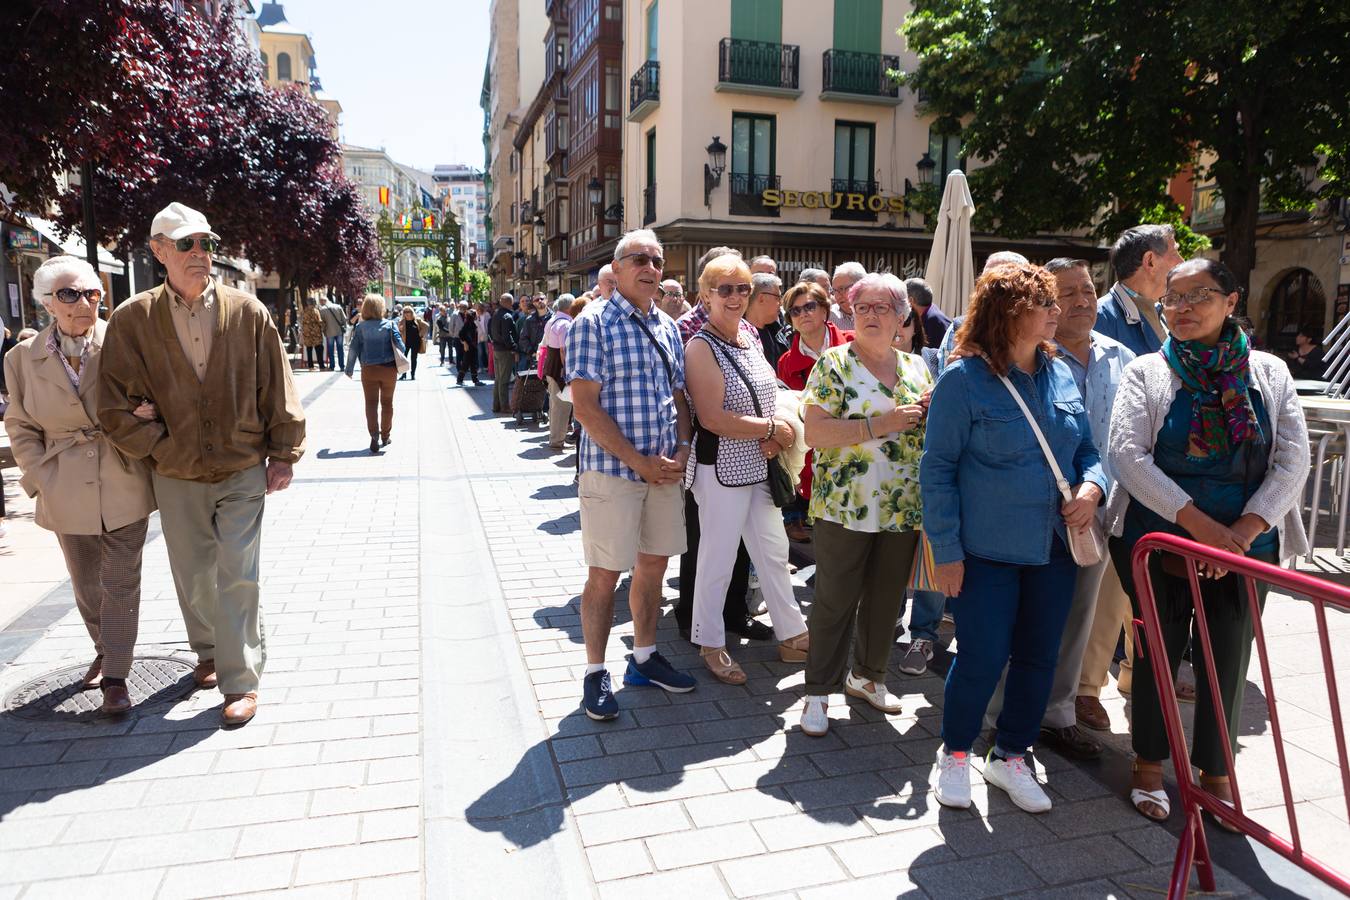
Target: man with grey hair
x,y
604,282
229,429
501,331
1142,257
819,276
933,320
999,257
763,311
763,265
846,275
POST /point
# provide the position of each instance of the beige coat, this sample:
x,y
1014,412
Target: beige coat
x,y
83,484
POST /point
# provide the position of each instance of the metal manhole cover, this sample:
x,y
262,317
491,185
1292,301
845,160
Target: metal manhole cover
x,y
59,697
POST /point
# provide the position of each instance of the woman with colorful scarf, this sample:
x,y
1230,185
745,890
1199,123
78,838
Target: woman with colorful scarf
x,y
1207,442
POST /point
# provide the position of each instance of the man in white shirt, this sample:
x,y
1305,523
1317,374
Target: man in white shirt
x,y
845,276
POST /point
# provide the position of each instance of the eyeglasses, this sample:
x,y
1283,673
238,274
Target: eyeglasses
x,y
880,309
183,245
1045,302
809,306
645,259
1192,299
726,290
674,293
70,295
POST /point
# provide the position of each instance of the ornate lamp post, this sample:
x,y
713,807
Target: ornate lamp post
x,y
713,168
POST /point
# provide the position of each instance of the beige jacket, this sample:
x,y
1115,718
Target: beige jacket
x,y
83,484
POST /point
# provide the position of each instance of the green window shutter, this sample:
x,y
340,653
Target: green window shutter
x,y
857,25
757,20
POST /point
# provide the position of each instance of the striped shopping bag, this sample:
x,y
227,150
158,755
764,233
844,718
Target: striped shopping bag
x,y
922,578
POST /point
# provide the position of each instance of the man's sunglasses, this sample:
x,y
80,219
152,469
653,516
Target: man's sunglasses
x,y
645,259
802,309
208,245
70,295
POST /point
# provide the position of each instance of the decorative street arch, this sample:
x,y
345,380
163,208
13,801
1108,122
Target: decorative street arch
x,y
420,228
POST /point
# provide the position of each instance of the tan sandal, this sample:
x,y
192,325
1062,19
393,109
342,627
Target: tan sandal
x,y
1142,798
1209,783
723,667
794,650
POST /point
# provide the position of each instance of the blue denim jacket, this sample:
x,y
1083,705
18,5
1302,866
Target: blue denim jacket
x,y
373,343
987,489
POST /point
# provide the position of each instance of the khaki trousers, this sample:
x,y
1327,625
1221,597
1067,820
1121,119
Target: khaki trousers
x,y
213,532
1113,613
105,573
559,415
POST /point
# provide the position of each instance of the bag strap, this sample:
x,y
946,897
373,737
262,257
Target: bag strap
x,y
665,361
754,398
1040,437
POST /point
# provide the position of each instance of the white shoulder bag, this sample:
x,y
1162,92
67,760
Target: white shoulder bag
x,y
1087,545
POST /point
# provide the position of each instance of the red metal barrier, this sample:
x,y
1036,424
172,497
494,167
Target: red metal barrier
x,y
1193,849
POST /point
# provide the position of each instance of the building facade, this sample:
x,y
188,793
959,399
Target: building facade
x,y
774,127
462,190
401,190
288,60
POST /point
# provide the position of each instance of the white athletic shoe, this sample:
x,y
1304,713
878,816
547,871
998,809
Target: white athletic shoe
x,y
952,785
1015,776
816,716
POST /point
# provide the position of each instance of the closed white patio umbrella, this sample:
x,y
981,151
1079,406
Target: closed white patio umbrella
x,y
951,264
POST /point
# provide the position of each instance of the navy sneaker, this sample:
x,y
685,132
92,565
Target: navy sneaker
x,y
598,697
658,672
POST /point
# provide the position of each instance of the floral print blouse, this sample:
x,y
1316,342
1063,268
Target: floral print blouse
x,y
872,486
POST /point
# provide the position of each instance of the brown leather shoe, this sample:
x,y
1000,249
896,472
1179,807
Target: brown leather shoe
x,y
95,672
1090,712
116,700
797,533
239,708
205,674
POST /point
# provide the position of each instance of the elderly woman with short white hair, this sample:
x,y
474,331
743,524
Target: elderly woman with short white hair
x,y
97,500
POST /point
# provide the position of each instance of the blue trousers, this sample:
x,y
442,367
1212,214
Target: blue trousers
x,y
337,357
1011,615
925,615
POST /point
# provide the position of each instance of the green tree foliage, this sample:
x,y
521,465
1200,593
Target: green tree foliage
x,y
1072,108
432,273
480,285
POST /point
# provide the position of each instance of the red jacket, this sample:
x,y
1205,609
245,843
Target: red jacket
x,y
794,367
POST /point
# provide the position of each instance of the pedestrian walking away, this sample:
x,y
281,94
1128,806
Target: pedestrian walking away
x,y
312,334
468,348
373,343
625,366
94,498
229,428
334,333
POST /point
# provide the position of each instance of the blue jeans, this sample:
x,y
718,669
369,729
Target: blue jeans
x,y
926,615
337,357
1013,615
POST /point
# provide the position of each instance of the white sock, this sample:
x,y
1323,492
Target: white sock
x,y
642,654
592,668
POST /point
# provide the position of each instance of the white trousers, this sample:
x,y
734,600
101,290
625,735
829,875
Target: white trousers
x,y
727,516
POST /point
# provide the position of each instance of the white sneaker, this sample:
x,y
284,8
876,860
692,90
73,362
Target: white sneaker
x,y
917,657
952,787
816,716
1015,776
874,692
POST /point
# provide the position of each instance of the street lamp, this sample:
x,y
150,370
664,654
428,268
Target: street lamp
x,y
595,191
927,170
713,169
539,226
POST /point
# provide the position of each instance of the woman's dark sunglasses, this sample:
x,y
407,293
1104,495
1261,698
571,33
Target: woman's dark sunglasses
x,y
70,295
209,245
809,306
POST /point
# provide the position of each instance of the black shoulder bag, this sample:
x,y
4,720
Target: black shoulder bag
x,y
661,351
780,482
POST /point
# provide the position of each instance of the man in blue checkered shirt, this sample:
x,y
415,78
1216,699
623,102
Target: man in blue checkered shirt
x,y
625,367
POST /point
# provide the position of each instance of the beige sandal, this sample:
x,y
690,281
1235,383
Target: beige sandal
x,y
723,667
793,650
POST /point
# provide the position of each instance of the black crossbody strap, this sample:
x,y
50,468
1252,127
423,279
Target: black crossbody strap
x,y
665,361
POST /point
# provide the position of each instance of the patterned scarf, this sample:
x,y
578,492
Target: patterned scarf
x,y
1218,378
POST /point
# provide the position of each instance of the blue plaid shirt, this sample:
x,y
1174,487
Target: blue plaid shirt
x,y
607,345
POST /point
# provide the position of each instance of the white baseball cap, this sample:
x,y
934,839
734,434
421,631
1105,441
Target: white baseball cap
x,y
178,221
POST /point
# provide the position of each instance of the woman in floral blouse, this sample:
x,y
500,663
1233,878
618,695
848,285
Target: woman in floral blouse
x,y
864,414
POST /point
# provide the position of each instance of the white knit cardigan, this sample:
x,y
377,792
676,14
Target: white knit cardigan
x,y
1147,390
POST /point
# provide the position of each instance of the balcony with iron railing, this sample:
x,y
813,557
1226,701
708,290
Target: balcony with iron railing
x,y
850,186
860,77
649,204
758,67
746,192
644,91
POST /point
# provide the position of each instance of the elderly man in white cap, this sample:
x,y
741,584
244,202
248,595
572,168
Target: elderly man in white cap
x,y
228,430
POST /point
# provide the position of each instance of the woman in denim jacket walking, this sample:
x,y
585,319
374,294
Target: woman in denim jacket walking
x,y
996,521
373,342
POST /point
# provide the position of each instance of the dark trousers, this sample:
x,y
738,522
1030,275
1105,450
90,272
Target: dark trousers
x,y
314,356
502,363
1013,615
860,579
447,350
1230,633
337,357
413,349
468,363
734,611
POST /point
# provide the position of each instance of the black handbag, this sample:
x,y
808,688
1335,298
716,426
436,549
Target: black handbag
x,y
780,482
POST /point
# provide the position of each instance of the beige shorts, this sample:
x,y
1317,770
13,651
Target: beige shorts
x,y
622,518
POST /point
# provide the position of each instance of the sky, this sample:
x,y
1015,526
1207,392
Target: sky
x,y
408,73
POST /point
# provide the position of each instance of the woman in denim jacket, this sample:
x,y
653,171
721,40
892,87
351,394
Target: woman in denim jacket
x,y
373,342
996,521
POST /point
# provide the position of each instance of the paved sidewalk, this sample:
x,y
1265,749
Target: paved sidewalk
x,y
420,732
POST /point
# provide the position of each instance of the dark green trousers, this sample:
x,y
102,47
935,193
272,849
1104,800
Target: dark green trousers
x,y
1230,634
861,580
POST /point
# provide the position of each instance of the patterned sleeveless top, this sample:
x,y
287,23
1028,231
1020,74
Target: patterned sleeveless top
x,y
739,462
